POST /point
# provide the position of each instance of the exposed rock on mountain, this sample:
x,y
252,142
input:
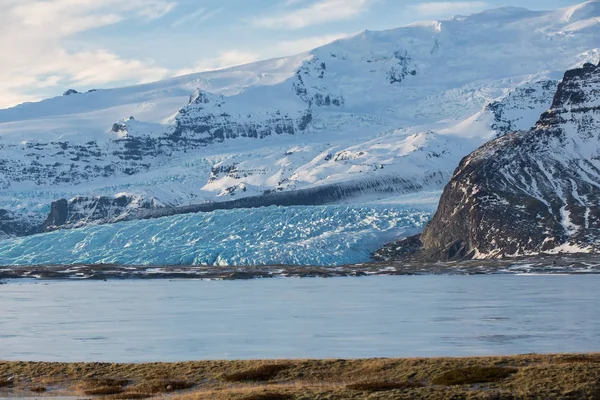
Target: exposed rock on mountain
x,y
529,192
521,105
12,224
82,211
205,120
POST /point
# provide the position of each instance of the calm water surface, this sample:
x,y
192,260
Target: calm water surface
x,y
134,321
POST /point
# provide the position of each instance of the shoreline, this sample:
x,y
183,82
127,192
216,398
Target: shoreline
x,y
545,264
560,376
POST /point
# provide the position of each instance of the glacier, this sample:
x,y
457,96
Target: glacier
x,y
319,235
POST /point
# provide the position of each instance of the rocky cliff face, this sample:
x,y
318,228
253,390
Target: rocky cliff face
x,y
208,119
522,107
82,211
528,192
13,224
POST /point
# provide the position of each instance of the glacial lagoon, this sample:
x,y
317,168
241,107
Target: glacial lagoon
x,y
381,316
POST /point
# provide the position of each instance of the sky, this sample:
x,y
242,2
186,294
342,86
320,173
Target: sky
x,y
49,46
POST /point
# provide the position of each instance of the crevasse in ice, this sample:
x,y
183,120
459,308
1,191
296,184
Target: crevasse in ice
x,y
327,235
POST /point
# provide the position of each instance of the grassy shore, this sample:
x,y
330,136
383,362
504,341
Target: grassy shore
x,y
575,376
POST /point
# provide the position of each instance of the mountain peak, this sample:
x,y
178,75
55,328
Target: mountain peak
x,y
582,11
529,192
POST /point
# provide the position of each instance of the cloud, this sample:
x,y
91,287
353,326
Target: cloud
x,y
319,12
197,17
157,10
34,38
447,8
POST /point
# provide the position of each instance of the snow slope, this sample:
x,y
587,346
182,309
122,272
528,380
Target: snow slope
x,y
406,104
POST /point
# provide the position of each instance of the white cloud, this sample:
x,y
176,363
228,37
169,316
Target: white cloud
x,y
319,12
157,10
34,34
197,17
447,8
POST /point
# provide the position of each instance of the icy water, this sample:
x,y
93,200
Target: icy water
x,y
162,320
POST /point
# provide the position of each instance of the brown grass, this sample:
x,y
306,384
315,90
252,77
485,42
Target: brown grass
x,y
269,396
384,386
262,373
102,386
472,375
158,386
6,383
130,396
100,382
103,391
579,358
526,377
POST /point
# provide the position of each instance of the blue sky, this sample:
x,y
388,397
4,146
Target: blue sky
x,y
51,45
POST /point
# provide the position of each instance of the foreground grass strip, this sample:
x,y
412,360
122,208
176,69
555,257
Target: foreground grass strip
x,y
523,377
473,375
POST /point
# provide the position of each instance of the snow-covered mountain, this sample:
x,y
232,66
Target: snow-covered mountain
x,y
384,112
529,192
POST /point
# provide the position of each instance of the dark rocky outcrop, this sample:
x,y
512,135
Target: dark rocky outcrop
x,y
528,192
14,224
82,211
59,213
512,112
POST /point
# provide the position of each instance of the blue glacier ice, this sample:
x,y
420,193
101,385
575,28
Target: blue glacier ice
x,y
327,235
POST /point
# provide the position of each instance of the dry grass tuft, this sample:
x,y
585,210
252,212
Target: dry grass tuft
x,y
269,396
130,396
472,375
103,386
96,382
384,386
579,358
103,391
263,373
158,386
